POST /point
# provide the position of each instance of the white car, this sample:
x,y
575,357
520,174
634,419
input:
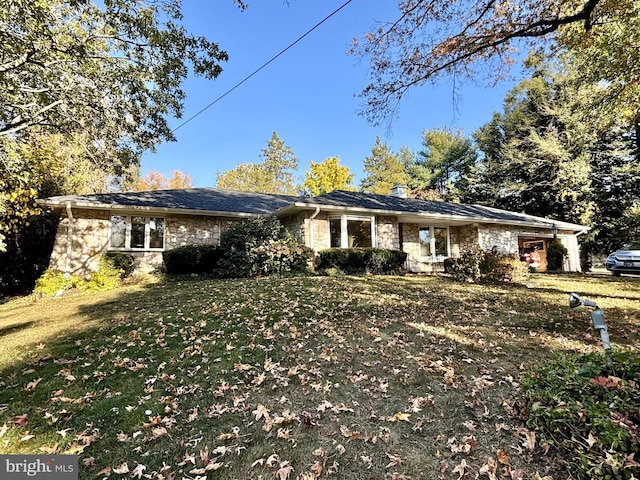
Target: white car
x,y
625,260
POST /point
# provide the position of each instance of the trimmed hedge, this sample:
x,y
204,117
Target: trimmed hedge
x,y
192,259
362,260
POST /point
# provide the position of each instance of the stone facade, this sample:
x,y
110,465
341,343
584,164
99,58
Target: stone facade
x,y
503,238
90,238
462,237
387,233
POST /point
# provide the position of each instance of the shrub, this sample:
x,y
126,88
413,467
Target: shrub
x,y
107,277
192,259
449,265
122,261
475,265
466,268
261,246
362,260
587,408
555,255
53,281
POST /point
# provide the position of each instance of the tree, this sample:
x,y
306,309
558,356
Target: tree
x,y
384,170
112,70
465,39
615,180
327,176
246,177
536,153
443,164
158,181
278,160
272,175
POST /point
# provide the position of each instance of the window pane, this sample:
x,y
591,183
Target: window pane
x,y
359,232
156,232
137,232
336,232
425,241
440,235
118,231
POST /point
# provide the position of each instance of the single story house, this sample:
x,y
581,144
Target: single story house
x,y
147,223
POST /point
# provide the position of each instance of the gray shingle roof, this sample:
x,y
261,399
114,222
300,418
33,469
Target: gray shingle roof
x,y
368,201
199,199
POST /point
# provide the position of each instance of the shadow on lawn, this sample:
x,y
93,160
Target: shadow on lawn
x,y
15,327
345,327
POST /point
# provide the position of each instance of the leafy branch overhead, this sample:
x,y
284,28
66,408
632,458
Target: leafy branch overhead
x,y
112,69
431,39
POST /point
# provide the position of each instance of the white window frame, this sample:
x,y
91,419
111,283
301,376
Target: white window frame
x,y
432,243
147,233
344,234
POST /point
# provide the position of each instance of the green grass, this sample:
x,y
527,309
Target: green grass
x,y
310,377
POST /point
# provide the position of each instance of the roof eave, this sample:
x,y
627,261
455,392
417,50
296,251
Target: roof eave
x,y
544,223
142,208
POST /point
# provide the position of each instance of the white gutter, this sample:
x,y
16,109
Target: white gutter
x,y
67,272
311,218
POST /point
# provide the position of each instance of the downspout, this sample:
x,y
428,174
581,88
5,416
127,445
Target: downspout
x,y
67,272
314,215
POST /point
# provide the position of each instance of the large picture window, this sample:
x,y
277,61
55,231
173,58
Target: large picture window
x,y
136,232
434,242
352,232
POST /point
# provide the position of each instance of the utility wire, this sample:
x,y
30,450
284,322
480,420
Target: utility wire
x,y
263,65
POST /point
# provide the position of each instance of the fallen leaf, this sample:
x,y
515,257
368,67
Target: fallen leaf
x,y
395,460
122,469
517,474
27,436
460,468
503,457
489,469
529,440
104,472
400,417
32,385
20,420
272,460
284,471
260,412
317,469
138,471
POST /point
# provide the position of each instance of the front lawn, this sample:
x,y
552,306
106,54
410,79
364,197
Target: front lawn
x,y
309,377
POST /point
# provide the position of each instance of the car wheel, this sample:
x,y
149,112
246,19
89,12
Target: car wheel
x,y
616,274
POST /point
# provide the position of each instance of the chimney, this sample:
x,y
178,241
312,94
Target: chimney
x,y
399,191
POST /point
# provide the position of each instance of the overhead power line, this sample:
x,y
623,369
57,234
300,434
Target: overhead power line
x,y
272,59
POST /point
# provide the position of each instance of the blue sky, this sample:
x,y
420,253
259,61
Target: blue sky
x,y
308,95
